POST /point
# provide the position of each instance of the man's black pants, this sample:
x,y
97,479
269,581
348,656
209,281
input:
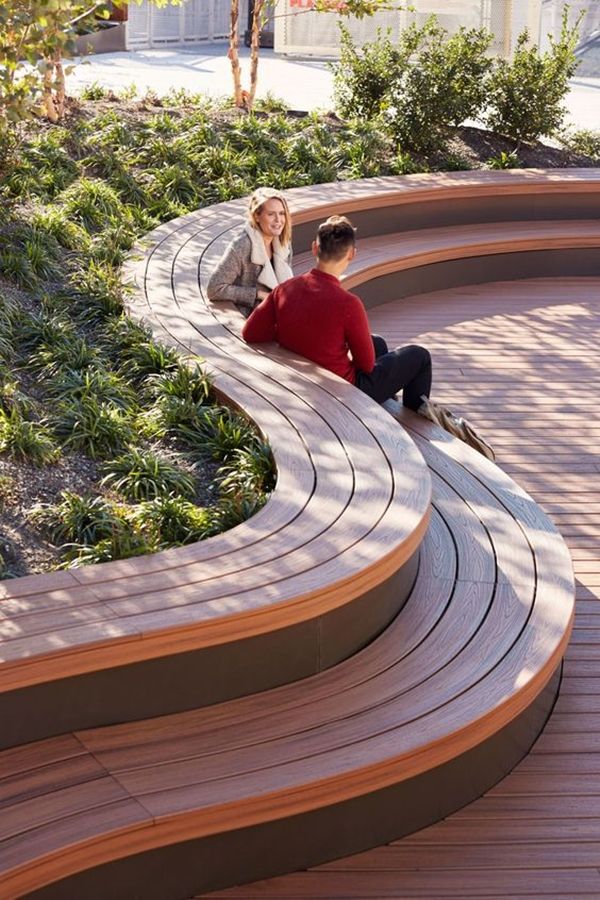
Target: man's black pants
x,y
407,369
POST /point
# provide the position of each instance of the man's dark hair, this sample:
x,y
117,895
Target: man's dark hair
x,y
334,238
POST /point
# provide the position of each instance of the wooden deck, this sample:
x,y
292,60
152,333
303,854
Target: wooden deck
x,y
529,377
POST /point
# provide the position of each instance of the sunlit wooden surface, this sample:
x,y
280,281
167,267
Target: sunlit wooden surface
x,y
521,360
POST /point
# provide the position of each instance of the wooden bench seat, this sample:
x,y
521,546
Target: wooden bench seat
x,y
363,744
228,603
445,694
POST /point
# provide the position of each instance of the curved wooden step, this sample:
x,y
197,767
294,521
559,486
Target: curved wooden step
x,y
89,631
456,681
516,356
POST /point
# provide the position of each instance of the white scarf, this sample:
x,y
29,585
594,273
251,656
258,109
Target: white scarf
x,y
275,271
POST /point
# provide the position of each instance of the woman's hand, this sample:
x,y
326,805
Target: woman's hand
x,y
261,293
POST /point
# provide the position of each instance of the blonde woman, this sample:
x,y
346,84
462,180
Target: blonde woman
x,y
259,258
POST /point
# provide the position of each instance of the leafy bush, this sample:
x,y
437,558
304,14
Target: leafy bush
x,y
361,77
71,352
144,475
186,382
583,141
504,160
98,291
93,91
439,82
526,93
25,440
55,222
93,204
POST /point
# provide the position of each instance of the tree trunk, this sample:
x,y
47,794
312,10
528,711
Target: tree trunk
x,y
238,95
60,85
254,48
47,98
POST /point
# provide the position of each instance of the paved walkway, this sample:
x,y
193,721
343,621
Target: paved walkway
x,y
304,84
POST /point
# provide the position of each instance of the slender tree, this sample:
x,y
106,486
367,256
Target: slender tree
x,y
245,99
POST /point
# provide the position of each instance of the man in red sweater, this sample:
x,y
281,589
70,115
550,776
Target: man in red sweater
x,y
314,316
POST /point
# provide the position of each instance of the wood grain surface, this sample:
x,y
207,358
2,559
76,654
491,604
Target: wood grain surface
x,y
504,354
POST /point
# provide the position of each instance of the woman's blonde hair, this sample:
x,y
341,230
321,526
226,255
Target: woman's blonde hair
x,y
256,203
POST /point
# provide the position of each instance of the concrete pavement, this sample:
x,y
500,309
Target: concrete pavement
x,y
304,84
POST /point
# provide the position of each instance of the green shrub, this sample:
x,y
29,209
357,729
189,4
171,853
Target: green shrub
x,y
99,291
173,520
186,382
217,432
526,93
72,352
105,386
249,472
89,424
439,82
25,440
583,141
144,475
123,543
93,203
55,222
93,91
504,160
77,519
361,76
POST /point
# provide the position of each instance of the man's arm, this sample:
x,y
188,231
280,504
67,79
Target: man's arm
x,y
358,337
261,326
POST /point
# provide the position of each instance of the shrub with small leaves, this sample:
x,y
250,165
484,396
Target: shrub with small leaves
x,y
583,141
439,82
144,475
361,76
526,93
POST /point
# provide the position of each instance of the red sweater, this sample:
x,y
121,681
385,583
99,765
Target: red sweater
x,y
314,316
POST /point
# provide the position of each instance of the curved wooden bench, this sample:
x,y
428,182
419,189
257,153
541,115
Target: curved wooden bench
x,y
447,699
427,716
86,632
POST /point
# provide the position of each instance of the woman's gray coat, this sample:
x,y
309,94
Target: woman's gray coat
x,y
245,267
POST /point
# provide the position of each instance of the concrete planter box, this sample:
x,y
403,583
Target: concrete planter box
x,y
109,38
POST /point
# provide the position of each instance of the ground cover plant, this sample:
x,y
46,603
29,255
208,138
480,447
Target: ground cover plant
x,y
110,444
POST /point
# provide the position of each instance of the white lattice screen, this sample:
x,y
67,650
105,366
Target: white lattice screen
x,y
192,22
299,30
